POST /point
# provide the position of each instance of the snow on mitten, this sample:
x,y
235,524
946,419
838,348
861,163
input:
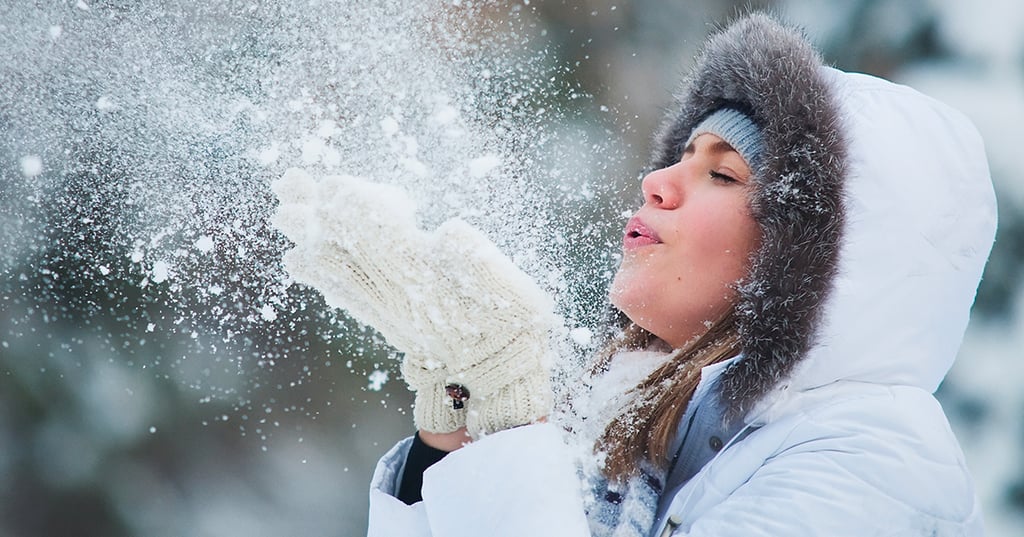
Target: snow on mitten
x,y
450,300
333,224
357,243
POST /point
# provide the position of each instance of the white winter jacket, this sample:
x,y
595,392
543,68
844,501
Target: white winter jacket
x,y
850,441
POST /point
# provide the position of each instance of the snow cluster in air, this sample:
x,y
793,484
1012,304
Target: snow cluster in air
x,y
582,336
139,270
31,165
377,379
268,313
151,157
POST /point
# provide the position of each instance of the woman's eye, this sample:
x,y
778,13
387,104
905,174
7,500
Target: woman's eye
x,y
721,177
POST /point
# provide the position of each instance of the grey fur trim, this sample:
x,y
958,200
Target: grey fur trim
x,y
773,74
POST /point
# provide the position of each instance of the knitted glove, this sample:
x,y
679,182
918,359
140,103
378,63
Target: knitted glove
x,y
471,324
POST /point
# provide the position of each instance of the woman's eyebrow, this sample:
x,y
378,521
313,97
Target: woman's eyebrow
x,y
721,146
717,147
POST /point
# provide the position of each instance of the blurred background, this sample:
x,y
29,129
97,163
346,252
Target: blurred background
x,y
159,375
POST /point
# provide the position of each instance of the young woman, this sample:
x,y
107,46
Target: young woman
x,y
794,288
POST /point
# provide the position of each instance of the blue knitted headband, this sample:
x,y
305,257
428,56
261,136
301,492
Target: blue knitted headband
x,y
737,129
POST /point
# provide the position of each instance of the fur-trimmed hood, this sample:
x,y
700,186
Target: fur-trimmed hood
x,y
876,210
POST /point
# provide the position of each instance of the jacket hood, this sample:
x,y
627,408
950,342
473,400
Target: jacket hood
x,y
876,211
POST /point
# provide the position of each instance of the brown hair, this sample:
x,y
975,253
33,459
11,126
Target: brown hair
x,y
645,429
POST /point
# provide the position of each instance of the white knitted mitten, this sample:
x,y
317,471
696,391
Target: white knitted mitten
x,y
465,316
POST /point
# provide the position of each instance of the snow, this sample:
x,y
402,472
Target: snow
x,y
31,165
269,155
377,379
161,271
389,126
582,336
315,150
312,150
482,166
268,313
415,167
327,128
445,115
176,169
104,104
331,157
204,244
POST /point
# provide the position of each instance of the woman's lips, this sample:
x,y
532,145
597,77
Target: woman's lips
x,y
638,235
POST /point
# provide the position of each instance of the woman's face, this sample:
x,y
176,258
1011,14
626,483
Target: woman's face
x,y
688,244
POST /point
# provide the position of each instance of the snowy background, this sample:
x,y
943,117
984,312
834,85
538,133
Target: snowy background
x,y
159,376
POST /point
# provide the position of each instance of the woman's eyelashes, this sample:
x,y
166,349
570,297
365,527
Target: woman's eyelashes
x,y
722,178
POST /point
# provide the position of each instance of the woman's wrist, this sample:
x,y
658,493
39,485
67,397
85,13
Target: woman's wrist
x,y
446,441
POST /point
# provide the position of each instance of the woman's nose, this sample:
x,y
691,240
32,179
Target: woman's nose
x,y
662,189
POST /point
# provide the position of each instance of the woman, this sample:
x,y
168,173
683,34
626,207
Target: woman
x,y
795,286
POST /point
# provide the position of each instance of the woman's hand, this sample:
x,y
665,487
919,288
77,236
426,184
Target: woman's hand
x,y
468,320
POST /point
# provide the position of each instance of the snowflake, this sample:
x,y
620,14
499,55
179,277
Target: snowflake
x,y
377,379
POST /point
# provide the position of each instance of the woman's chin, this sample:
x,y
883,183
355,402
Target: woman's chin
x,y
620,296
630,306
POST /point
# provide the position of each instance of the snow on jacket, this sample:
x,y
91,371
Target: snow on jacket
x,y
877,214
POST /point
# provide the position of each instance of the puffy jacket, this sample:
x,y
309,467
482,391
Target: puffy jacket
x,y
878,214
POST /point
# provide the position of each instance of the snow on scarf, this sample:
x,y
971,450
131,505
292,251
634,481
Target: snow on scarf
x,y
614,509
